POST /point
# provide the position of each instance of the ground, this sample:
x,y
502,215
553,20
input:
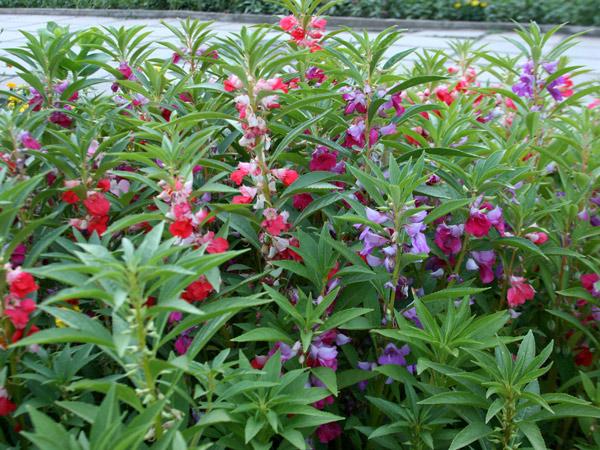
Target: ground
x,y
587,53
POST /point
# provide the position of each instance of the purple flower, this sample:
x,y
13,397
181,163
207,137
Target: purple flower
x,y
483,261
524,88
411,314
553,89
419,242
368,366
388,129
323,355
550,67
285,350
355,101
371,241
583,215
376,216
394,355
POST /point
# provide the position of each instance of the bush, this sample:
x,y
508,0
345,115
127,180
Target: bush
x,y
579,12
287,238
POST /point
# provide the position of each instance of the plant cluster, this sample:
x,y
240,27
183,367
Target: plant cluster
x,y
289,238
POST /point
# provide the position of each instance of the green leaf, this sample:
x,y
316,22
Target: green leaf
x,y
471,433
451,293
328,377
265,334
341,317
446,208
520,243
533,435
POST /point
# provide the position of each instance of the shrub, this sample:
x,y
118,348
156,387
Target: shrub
x,y
291,238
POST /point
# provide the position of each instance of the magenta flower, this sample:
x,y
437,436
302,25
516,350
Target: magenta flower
x,y
448,238
29,141
323,159
478,224
329,432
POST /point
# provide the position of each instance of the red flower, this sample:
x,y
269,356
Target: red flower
x,y
519,292
197,291
103,184
298,33
181,228
478,224
97,224
17,317
97,204
259,362
18,334
70,197
217,245
22,284
584,357
328,432
6,406
237,176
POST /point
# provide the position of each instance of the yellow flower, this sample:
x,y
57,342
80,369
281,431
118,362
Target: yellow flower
x,y
475,3
483,4
59,323
457,5
23,108
11,85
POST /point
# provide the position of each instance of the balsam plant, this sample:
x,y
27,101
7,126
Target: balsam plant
x,y
289,238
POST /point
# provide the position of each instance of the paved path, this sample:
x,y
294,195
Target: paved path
x,y
587,53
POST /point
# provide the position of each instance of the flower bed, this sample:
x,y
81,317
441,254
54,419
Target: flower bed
x,y
292,238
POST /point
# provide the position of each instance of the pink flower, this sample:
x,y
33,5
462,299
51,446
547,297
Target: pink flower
x,y
538,237
275,223
217,245
318,22
288,22
590,282
232,83
328,432
519,292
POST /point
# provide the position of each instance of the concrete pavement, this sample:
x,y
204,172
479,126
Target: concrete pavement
x,y
587,53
